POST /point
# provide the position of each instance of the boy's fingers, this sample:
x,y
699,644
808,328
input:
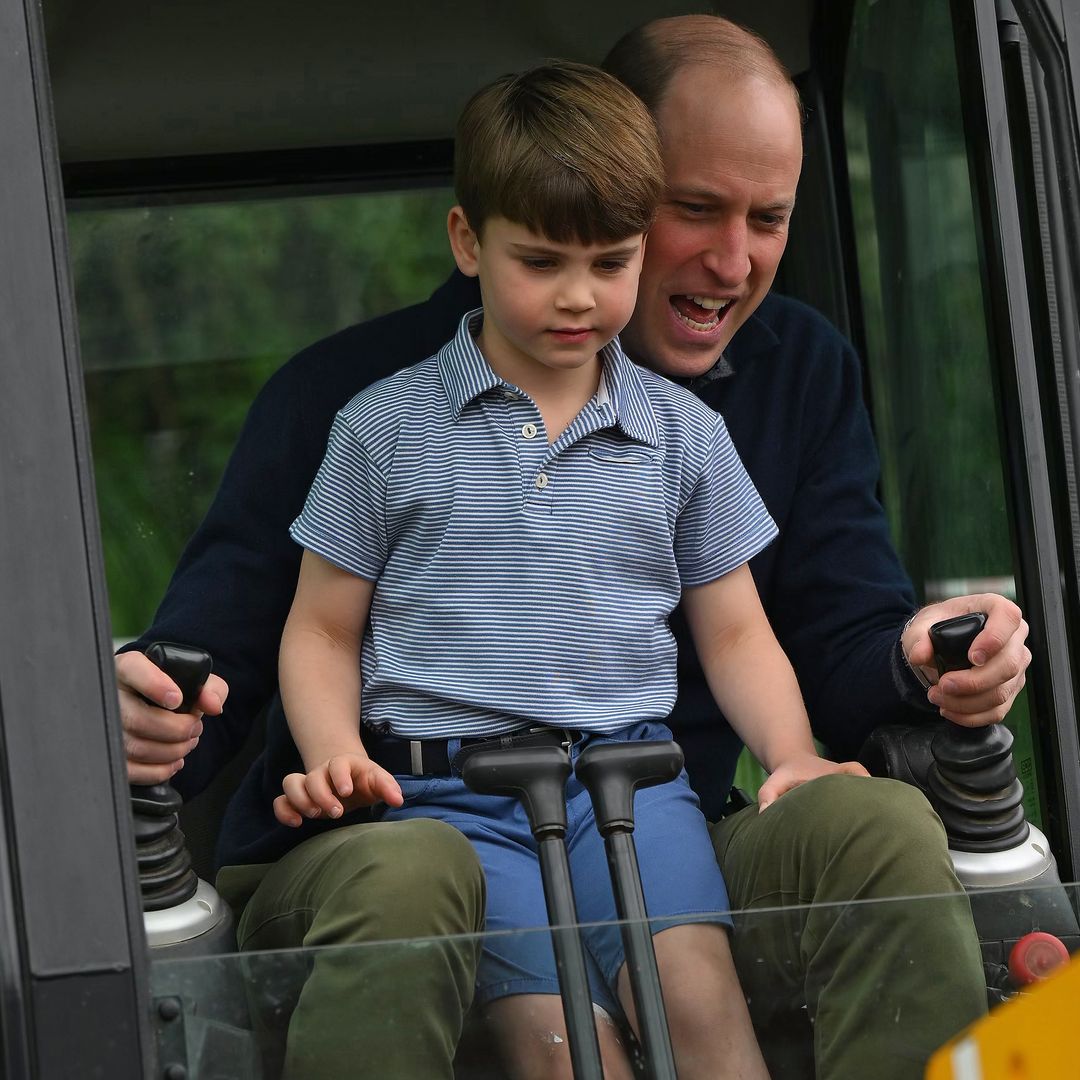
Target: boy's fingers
x,y
286,813
340,770
317,785
852,768
384,787
296,791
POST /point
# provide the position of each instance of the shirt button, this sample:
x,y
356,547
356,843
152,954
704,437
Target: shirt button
x,y
528,431
542,481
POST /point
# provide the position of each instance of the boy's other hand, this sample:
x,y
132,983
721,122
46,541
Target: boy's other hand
x,y
798,770
339,784
157,740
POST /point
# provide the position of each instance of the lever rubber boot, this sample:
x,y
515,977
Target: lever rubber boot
x,y
612,772
537,777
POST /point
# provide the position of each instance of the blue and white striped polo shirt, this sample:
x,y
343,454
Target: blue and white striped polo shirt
x,y
520,582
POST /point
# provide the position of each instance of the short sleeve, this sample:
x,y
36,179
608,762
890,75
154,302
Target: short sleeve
x,y
343,519
724,522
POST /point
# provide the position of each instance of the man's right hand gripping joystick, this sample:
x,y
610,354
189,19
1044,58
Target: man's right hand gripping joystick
x,y
319,647
156,739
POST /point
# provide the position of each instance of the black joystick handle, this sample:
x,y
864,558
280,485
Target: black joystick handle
x,y
166,878
612,772
534,775
973,782
537,777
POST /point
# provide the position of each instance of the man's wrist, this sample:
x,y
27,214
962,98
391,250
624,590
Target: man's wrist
x,y
915,670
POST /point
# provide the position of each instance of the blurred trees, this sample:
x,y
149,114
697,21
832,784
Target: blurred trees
x,y
185,311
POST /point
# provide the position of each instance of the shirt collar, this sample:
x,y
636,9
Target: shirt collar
x,y
466,375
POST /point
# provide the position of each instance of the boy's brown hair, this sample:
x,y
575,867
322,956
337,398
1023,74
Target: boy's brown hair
x,y
565,150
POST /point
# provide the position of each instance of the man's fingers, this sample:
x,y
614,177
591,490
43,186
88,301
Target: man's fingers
x,y
146,775
156,751
140,675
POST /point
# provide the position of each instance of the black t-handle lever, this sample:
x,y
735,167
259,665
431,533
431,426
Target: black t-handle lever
x,y
537,777
612,772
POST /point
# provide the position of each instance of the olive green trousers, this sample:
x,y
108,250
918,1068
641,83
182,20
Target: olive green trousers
x,y
836,970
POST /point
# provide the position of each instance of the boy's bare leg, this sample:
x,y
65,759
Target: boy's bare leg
x,y
711,1032
530,1034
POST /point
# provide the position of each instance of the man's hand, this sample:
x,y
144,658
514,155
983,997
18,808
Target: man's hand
x,y
798,770
155,739
985,693
340,783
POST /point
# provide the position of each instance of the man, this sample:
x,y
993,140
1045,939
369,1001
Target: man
x,y
788,388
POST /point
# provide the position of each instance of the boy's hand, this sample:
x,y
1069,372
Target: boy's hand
x,y
798,770
156,740
341,783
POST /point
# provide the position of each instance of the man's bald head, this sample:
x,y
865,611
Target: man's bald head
x,y
648,57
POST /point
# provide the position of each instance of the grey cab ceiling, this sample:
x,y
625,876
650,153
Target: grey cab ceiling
x,y
138,80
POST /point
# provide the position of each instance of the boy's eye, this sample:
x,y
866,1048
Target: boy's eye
x,y
536,263
612,266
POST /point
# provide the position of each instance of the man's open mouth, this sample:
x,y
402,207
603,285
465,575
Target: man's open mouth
x,y
701,312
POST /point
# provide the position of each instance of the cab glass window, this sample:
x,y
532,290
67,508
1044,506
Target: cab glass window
x,y
928,355
184,312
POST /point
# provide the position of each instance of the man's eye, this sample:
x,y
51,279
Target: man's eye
x,y
692,208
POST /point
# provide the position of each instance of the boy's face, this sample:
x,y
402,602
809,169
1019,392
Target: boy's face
x,y
549,304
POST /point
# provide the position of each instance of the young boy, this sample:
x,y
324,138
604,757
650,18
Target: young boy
x,y
493,546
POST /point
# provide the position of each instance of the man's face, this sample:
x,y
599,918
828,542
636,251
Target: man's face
x,y
733,153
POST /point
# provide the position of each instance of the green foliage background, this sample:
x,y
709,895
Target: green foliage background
x,y
185,311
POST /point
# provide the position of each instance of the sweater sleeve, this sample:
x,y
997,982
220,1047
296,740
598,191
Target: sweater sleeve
x,y
839,596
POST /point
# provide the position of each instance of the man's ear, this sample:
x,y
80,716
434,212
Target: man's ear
x,y
464,243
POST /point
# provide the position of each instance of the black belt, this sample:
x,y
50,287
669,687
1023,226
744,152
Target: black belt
x,y
431,757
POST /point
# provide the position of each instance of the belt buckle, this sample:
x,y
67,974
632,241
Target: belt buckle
x,y
416,757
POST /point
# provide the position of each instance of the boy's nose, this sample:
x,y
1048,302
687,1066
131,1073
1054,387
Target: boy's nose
x,y
575,294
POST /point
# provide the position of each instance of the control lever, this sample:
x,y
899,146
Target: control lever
x,y
166,878
1017,900
973,779
537,777
181,912
612,772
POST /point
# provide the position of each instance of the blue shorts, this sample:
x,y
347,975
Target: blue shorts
x,y
680,877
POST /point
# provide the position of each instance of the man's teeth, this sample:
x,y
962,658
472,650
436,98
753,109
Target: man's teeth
x,y
709,302
706,303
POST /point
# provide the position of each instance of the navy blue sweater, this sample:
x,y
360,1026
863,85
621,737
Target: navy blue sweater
x,y
831,584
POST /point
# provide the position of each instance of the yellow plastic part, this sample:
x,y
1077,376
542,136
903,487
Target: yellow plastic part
x,y
1035,1036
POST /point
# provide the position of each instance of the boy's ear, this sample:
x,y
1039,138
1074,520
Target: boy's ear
x,y
464,243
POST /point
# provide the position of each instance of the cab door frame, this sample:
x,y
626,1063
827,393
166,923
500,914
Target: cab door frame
x,y
1035,451
73,962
